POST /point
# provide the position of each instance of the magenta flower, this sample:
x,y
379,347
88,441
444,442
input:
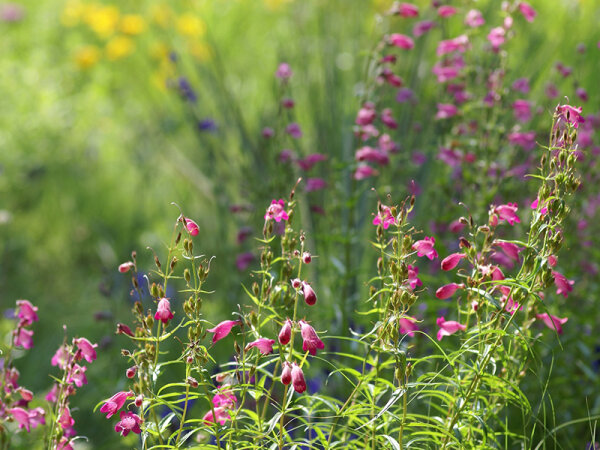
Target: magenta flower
x,y
315,184
496,37
387,119
474,18
115,403
384,217
311,341
268,132
552,260
364,171
308,162
552,322
523,139
422,27
413,279
191,226
276,211
28,419
370,154
65,420
163,312
571,114
52,394
446,110
309,294
61,357
521,85
265,346
446,11
130,372
511,250
126,267
86,348
284,71
77,375
23,338
293,129
366,115
522,110
408,325
129,422
64,444
224,399
508,212
528,12
298,379
243,260
447,327
26,312
563,286
286,332
222,415
401,41
448,290
286,373
451,261
424,247
405,10
222,329
459,44
510,305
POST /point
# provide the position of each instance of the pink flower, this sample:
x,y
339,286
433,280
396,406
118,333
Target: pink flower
x,y
224,399
522,139
265,346
571,114
551,91
508,212
474,18
521,85
496,37
459,44
191,226
408,325
511,250
552,260
222,329
446,11
451,261
64,444
387,119
364,171
405,10
286,373
77,375
222,415
311,341
243,260
28,419
448,290
366,115
129,422
52,395
413,279
268,132
315,184
23,338
163,312
424,247
401,41
293,129
552,322
126,267
298,379
61,357
447,327
27,312
86,348
372,155
528,12
277,211
284,71
522,110
422,27
115,403
446,110
65,420
130,372
510,305
309,294
286,332
563,286
384,217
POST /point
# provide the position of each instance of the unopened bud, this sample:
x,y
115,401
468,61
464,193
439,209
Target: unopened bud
x,y
139,400
130,373
192,382
187,275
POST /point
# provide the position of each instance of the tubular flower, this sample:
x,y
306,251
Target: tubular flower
x,y
23,338
286,332
115,403
447,327
27,312
384,217
424,247
129,422
265,346
192,227
408,325
311,341
401,41
563,286
86,348
298,379
553,322
163,313
286,373
448,290
223,329
508,212
309,294
451,261
276,211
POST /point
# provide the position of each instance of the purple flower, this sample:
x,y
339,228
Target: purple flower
x,y
293,129
315,184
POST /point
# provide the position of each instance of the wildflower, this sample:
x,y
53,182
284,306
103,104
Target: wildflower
x,y
571,114
11,13
77,375
384,217
508,212
511,250
528,12
446,110
474,18
286,332
286,373
315,184
552,260
223,329
522,110
422,27
496,37
65,420
413,279
119,47
284,72
309,162
364,171
563,285
86,348
126,267
277,211
551,91
163,312
243,260
408,325
268,132
522,139
129,422
191,226
27,419
521,85
139,401
61,357
387,119
446,11
124,329
224,399
401,41
306,258
130,373
451,261
265,346
424,247
27,312
447,327
52,395
405,10
552,322
293,129
23,338
448,290
296,283
64,444
287,103
459,44
132,24
309,294
311,341
366,115
222,415
191,26
298,379
115,403
367,153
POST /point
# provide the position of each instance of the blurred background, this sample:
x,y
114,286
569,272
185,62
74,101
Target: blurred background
x,y
110,111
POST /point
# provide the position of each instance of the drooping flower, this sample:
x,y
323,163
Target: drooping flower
x,y
311,341
451,261
61,357
401,41
286,332
385,217
191,226
527,10
163,312
26,312
115,403
264,345
309,294
474,18
65,420
86,349
563,285
129,422
447,327
448,290
77,375
223,329
408,325
553,322
511,250
413,278
23,338
126,267
276,211
131,371
286,373
424,247
298,379
508,212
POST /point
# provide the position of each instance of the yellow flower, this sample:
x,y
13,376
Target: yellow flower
x,y
72,13
133,24
119,47
161,14
87,56
102,20
190,25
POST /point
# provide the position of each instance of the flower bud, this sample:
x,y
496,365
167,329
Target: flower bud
x,y
306,258
192,382
298,379
126,267
286,373
286,332
130,373
309,294
139,400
